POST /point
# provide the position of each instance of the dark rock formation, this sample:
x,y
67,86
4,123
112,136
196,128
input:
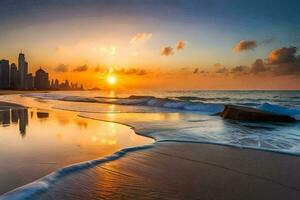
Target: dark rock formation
x,y
252,114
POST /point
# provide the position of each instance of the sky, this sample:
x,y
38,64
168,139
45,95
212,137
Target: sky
x,y
157,44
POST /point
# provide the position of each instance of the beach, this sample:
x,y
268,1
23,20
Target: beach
x,y
94,150
186,171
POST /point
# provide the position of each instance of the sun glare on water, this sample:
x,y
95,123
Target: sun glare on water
x,y
111,79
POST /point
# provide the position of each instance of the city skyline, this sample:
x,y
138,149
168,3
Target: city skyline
x,y
15,77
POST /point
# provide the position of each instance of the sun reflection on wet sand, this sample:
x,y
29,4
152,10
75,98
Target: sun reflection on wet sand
x,y
37,142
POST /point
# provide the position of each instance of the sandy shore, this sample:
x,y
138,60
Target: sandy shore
x,y
172,170
186,171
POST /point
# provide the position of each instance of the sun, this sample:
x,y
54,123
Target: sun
x,y
111,79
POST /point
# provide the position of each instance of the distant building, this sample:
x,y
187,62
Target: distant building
x,y
29,84
4,74
23,70
13,76
41,80
67,85
56,84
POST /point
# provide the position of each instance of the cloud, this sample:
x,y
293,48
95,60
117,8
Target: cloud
x,y
258,66
282,55
222,70
242,69
166,51
141,37
98,69
131,71
196,71
292,68
245,45
285,61
112,50
180,45
81,68
61,68
217,65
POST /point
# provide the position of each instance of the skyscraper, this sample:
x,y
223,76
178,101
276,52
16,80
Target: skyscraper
x,y
29,83
23,70
41,80
4,74
13,76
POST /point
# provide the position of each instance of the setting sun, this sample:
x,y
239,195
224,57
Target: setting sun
x,y
111,79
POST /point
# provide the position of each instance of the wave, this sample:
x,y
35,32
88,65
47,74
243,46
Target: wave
x,y
293,112
184,103
30,190
167,103
229,134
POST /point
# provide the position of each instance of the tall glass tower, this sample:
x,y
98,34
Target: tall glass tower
x,y
23,70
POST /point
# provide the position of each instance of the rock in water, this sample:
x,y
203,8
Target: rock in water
x,y
252,114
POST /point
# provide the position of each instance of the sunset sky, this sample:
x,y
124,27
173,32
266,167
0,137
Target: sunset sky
x,y
158,44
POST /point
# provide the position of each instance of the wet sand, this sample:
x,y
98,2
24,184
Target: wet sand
x,y
36,142
186,171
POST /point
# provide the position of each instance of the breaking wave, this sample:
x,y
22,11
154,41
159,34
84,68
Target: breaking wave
x,y
183,103
293,112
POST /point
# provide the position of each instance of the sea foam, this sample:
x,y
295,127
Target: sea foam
x,y
30,190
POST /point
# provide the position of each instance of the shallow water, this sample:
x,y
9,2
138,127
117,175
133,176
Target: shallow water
x,y
35,142
191,127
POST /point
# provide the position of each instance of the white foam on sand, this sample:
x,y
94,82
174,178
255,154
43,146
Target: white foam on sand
x,y
30,190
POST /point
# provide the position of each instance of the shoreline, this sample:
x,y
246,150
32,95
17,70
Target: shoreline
x,y
67,166
243,162
230,159
190,141
169,148
182,170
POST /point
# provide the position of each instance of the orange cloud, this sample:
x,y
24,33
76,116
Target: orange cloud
x,y
180,45
61,68
244,45
131,71
167,51
258,66
282,55
82,68
241,69
141,37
